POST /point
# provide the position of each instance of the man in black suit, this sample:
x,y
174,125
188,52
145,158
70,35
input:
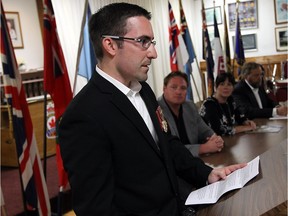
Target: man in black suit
x,y
114,140
251,97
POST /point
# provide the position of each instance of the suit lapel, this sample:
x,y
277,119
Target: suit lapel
x,y
251,95
188,122
162,141
262,97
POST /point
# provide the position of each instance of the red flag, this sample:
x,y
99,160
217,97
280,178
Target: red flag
x,y
56,80
35,192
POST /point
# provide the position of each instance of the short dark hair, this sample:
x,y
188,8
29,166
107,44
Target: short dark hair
x,y
175,74
248,67
222,77
111,20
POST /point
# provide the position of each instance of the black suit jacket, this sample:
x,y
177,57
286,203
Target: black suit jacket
x,y
113,163
247,103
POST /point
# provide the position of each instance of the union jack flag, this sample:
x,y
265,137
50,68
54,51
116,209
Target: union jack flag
x,y
178,51
56,80
35,192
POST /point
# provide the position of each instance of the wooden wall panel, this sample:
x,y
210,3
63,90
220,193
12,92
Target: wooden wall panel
x,y
268,63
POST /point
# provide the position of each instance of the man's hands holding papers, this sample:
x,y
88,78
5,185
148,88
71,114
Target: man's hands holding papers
x,y
233,177
221,173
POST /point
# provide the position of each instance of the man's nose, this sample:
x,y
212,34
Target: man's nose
x,y
152,53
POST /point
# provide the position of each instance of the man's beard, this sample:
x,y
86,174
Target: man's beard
x,y
255,85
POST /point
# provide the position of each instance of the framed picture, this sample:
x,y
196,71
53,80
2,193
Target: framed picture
x,y
14,27
247,11
249,42
281,11
209,13
281,34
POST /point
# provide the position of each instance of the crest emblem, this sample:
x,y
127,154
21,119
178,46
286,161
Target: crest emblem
x,y
163,123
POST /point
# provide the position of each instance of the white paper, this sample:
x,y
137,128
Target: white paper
x,y
212,192
266,129
278,117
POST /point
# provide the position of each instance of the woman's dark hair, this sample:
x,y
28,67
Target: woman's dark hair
x,y
112,20
222,77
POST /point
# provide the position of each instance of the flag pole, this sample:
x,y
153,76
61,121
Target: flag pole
x,y
199,71
195,86
44,137
21,183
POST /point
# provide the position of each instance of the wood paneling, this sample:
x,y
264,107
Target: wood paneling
x,y
268,63
8,147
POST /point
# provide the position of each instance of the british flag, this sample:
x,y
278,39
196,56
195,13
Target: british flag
x,y
178,51
35,192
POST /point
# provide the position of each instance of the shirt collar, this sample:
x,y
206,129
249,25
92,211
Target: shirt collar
x,y
251,87
135,86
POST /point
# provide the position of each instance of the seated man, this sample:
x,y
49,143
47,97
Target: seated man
x,y
251,97
183,118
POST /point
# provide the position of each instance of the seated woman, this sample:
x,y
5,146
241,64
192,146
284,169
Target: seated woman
x,y
219,111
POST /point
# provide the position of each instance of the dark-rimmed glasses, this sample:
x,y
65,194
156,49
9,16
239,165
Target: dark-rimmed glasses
x,y
145,41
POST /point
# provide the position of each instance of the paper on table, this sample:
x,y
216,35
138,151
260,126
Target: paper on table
x,y
278,117
211,193
266,129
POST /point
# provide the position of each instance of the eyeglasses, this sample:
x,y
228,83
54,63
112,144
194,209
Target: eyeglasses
x,y
145,41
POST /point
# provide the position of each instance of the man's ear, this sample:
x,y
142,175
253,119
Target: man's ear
x,y
109,46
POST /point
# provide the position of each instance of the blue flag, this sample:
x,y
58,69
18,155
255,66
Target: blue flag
x,y
190,49
87,60
239,49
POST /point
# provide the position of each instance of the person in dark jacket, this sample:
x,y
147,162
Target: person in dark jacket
x,y
114,140
250,96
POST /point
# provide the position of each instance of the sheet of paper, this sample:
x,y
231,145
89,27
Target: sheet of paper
x,y
212,192
278,117
266,129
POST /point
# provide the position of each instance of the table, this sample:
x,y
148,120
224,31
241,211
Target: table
x,y
269,188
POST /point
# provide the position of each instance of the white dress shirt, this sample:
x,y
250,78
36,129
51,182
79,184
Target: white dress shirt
x,y
258,99
134,96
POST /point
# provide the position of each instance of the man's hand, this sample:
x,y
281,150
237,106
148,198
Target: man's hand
x,y
250,123
221,173
282,110
214,144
